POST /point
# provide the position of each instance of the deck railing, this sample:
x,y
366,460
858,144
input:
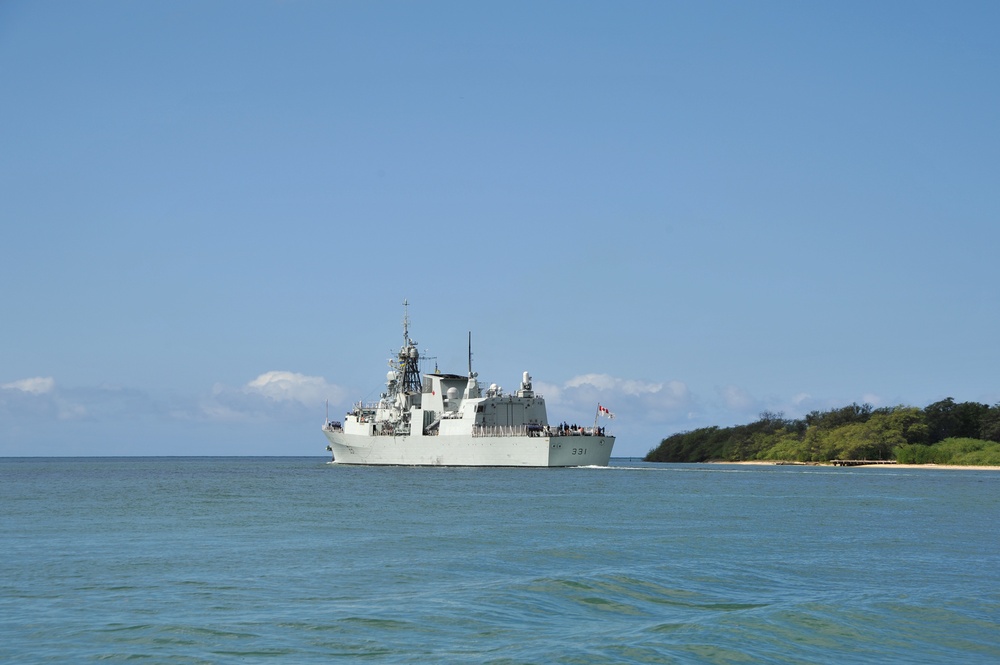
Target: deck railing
x,y
386,429
534,430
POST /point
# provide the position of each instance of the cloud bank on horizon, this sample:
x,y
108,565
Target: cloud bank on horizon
x,y
274,395
643,408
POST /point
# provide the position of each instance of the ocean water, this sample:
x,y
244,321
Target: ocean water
x,y
293,560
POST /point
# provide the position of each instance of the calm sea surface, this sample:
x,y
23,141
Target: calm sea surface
x,y
292,560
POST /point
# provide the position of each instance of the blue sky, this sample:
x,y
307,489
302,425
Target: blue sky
x,y
690,212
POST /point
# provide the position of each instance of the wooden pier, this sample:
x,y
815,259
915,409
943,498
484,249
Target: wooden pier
x,y
861,462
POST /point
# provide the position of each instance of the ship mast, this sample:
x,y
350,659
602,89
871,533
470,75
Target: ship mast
x,y
472,387
406,322
409,357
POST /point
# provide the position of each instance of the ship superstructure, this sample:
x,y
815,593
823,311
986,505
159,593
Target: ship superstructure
x,y
444,419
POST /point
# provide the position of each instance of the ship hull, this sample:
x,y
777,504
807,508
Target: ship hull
x,y
466,450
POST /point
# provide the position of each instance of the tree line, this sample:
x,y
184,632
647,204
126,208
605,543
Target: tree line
x,y
945,432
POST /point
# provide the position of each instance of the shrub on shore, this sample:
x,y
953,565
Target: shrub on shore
x,y
958,451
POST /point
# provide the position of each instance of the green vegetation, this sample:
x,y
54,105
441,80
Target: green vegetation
x,y
946,432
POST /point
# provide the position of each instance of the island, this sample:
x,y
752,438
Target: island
x,y
945,432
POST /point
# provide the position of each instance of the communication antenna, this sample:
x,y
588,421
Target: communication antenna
x,y
406,320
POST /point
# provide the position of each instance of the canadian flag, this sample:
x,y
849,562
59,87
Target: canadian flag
x,y
604,412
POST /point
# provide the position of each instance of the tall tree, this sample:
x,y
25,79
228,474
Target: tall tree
x,y
947,419
989,424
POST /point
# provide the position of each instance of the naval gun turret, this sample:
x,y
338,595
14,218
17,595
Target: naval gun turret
x,y
525,390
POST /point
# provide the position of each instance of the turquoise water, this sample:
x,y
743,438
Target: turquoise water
x,y
258,560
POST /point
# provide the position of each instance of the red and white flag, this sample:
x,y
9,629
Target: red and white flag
x,y
604,412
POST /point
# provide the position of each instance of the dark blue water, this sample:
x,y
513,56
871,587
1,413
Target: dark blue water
x,y
254,560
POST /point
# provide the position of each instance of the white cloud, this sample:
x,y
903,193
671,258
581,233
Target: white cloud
x,y
549,391
871,398
631,399
274,395
71,411
289,386
677,391
736,399
38,385
41,414
212,409
40,399
611,383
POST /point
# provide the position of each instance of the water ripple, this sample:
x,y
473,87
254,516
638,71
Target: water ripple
x,y
291,560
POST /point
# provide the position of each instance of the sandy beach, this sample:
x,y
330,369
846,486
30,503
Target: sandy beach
x,y
965,467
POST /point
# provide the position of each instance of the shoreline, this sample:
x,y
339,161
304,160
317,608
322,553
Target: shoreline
x,y
864,466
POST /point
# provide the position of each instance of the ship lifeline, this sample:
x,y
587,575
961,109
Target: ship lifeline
x,y
448,420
